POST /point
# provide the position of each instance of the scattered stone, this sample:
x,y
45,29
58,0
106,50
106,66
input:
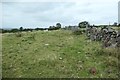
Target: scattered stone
x,y
101,75
14,69
46,44
45,30
20,76
39,73
108,75
88,41
81,67
79,52
93,70
87,57
60,58
79,61
11,66
109,71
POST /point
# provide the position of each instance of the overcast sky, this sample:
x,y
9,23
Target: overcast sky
x,y
44,13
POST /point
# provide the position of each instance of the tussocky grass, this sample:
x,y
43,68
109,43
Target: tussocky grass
x,y
65,56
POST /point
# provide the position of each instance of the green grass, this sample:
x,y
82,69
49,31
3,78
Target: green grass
x,y
0,55
55,54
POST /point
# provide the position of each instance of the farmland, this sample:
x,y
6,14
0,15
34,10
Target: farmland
x,y
56,54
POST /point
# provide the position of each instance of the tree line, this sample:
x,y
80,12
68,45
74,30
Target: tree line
x,y
58,26
83,24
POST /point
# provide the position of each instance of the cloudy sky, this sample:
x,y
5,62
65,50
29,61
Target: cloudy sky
x,y
45,13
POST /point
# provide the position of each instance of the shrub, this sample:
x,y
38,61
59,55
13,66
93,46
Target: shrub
x,y
77,32
14,30
83,31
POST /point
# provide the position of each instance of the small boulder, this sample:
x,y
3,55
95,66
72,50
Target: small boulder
x,y
93,70
79,52
46,44
60,58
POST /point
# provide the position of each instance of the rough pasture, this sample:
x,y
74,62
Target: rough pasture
x,y
0,56
58,54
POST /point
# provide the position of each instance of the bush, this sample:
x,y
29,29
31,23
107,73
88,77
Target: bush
x,y
83,31
14,30
77,32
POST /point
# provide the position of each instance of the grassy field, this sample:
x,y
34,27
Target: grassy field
x,y
56,54
0,56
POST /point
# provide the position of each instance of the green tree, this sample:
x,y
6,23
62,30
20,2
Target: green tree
x,y
83,24
58,25
21,29
14,30
115,24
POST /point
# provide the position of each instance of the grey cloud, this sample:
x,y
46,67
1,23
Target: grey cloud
x,y
48,13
